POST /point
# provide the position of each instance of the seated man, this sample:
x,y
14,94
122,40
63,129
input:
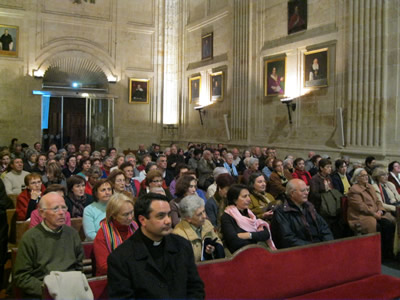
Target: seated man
x,y
50,246
296,222
153,263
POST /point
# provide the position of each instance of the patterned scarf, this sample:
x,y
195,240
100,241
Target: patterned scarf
x,y
112,235
78,205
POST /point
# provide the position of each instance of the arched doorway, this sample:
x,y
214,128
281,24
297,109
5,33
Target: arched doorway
x,y
76,106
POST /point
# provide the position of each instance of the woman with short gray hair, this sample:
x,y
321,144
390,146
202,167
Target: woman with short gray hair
x,y
385,190
199,231
253,165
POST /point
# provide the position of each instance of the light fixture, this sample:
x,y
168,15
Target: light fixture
x,y
290,106
75,84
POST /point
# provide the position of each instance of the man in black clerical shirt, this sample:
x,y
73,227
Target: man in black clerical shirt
x,y
296,222
153,263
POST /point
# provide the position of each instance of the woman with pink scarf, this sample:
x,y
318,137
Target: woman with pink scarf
x,y
239,226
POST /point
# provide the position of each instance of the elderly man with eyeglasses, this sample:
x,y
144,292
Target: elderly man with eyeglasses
x,y
50,246
296,222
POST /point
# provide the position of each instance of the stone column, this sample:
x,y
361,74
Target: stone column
x,y
366,73
239,106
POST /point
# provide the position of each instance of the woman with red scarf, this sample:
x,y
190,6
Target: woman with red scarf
x,y
300,171
117,227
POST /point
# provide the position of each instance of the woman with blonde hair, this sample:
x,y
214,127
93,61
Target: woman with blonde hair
x,y
117,227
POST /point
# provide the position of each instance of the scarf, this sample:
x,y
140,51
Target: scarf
x,y
384,194
112,235
77,205
232,170
250,224
262,197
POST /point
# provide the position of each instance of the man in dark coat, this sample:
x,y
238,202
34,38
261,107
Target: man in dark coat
x,y
296,222
153,263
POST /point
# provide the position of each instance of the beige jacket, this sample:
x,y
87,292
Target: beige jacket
x,y
392,193
186,231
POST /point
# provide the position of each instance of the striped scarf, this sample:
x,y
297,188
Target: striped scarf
x,y
112,235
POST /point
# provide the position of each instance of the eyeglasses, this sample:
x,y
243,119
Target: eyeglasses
x,y
57,208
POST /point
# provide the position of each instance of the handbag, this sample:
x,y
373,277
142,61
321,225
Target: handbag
x,y
331,203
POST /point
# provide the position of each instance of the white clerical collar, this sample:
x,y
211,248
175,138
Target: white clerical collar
x,y
156,244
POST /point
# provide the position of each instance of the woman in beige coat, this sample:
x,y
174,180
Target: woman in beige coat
x,y
385,190
366,212
195,227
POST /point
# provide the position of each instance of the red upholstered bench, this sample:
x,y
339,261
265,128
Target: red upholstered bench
x,y
347,268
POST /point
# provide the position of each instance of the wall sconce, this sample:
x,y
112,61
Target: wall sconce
x,y
290,107
201,112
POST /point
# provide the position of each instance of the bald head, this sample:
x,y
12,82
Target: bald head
x,y
297,191
53,210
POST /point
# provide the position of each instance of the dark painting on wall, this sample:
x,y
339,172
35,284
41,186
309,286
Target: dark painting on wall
x,y
138,90
297,16
217,86
194,89
207,46
316,68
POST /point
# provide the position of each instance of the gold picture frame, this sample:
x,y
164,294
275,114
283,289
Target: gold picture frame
x,y
217,86
316,68
9,40
275,76
139,91
194,89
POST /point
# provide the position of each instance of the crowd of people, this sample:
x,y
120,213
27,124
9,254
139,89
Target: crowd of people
x,y
219,200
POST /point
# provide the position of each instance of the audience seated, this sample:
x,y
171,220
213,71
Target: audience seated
x,y
278,180
315,160
131,185
239,226
366,214
253,165
5,203
394,174
268,169
76,199
84,166
162,167
71,168
195,227
119,160
186,185
54,175
154,179
30,159
341,179
262,203
205,168
36,218
94,174
181,168
230,166
29,198
50,246
295,222
385,190
14,179
4,162
300,172
213,187
194,160
118,181
145,160
320,183
215,206
117,227
174,159
40,166
95,212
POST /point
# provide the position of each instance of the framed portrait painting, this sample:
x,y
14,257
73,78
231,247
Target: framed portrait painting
x,y
207,46
316,68
275,74
139,91
217,86
194,89
9,40
297,16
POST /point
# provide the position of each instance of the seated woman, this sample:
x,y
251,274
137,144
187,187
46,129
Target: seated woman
x,y
385,190
215,206
320,183
315,160
35,216
5,159
131,185
29,198
40,166
366,214
30,159
142,175
195,227
300,171
76,199
252,168
95,212
54,175
268,169
340,179
186,185
117,227
118,180
262,203
278,180
84,166
288,164
239,226
119,160
94,174
154,179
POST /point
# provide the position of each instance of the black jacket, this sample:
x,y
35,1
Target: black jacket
x,y
337,182
291,227
132,272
